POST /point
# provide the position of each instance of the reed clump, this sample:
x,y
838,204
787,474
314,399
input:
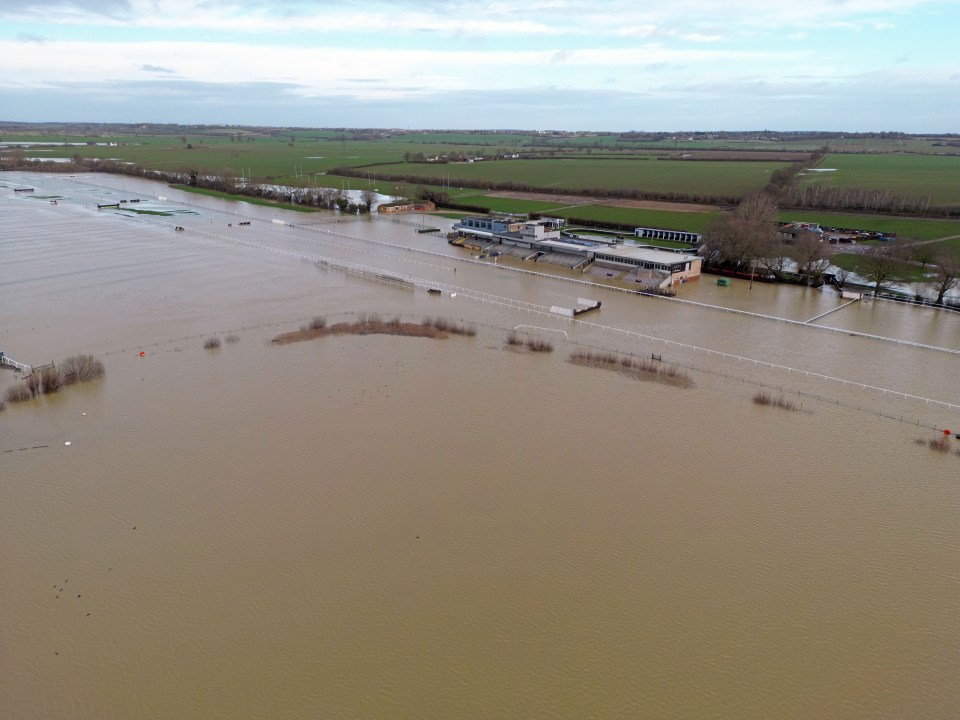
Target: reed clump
x,y
211,343
81,368
51,379
450,326
645,370
532,344
232,339
539,345
375,324
18,393
762,397
940,444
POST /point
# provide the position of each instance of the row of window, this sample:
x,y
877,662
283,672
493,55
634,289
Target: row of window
x,y
646,264
667,234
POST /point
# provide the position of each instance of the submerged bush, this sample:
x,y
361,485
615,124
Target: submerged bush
x,y
539,345
232,339
18,393
650,370
51,379
762,397
211,343
449,326
81,368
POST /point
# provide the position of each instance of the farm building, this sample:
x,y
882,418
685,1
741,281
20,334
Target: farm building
x,y
426,206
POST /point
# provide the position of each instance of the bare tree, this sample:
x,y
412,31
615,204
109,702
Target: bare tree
x,y
774,258
811,256
948,274
760,211
738,239
879,265
369,197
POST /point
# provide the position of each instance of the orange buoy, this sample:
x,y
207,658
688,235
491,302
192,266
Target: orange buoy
x,y
142,354
948,432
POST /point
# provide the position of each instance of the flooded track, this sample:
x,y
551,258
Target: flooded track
x,y
400,527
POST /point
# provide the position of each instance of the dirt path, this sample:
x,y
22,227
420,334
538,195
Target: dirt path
x,y
935,240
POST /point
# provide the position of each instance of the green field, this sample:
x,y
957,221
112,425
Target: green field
x,y
913,175
719,178
600,163
298,162
904,272
272,159
666,219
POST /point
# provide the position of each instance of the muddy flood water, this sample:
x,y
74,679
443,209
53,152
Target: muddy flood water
x,y
396,527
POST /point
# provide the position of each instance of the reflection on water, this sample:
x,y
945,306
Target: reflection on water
x,y
399,527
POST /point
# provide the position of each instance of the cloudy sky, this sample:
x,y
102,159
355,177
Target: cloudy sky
x,y
852,65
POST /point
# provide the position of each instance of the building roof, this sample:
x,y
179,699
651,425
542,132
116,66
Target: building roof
x,y
646,254
561,246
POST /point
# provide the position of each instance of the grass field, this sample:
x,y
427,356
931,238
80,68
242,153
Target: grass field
x,y
264,158
914,175
666,219
720,178
303,160
904,272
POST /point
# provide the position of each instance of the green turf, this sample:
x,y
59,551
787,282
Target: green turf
x,y
716,178
904,272
270,157
666,219
913,175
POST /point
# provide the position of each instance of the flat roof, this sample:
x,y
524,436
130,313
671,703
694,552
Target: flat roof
x,y
657,256
562,246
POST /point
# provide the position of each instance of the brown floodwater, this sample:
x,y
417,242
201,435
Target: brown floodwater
x,y
377,526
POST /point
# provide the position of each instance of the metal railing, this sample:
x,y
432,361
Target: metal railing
x,y
10,362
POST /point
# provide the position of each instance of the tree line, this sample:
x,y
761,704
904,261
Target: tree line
x,y
749,240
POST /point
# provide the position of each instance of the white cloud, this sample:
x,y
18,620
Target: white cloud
x,y
622,18
412,52
319,70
